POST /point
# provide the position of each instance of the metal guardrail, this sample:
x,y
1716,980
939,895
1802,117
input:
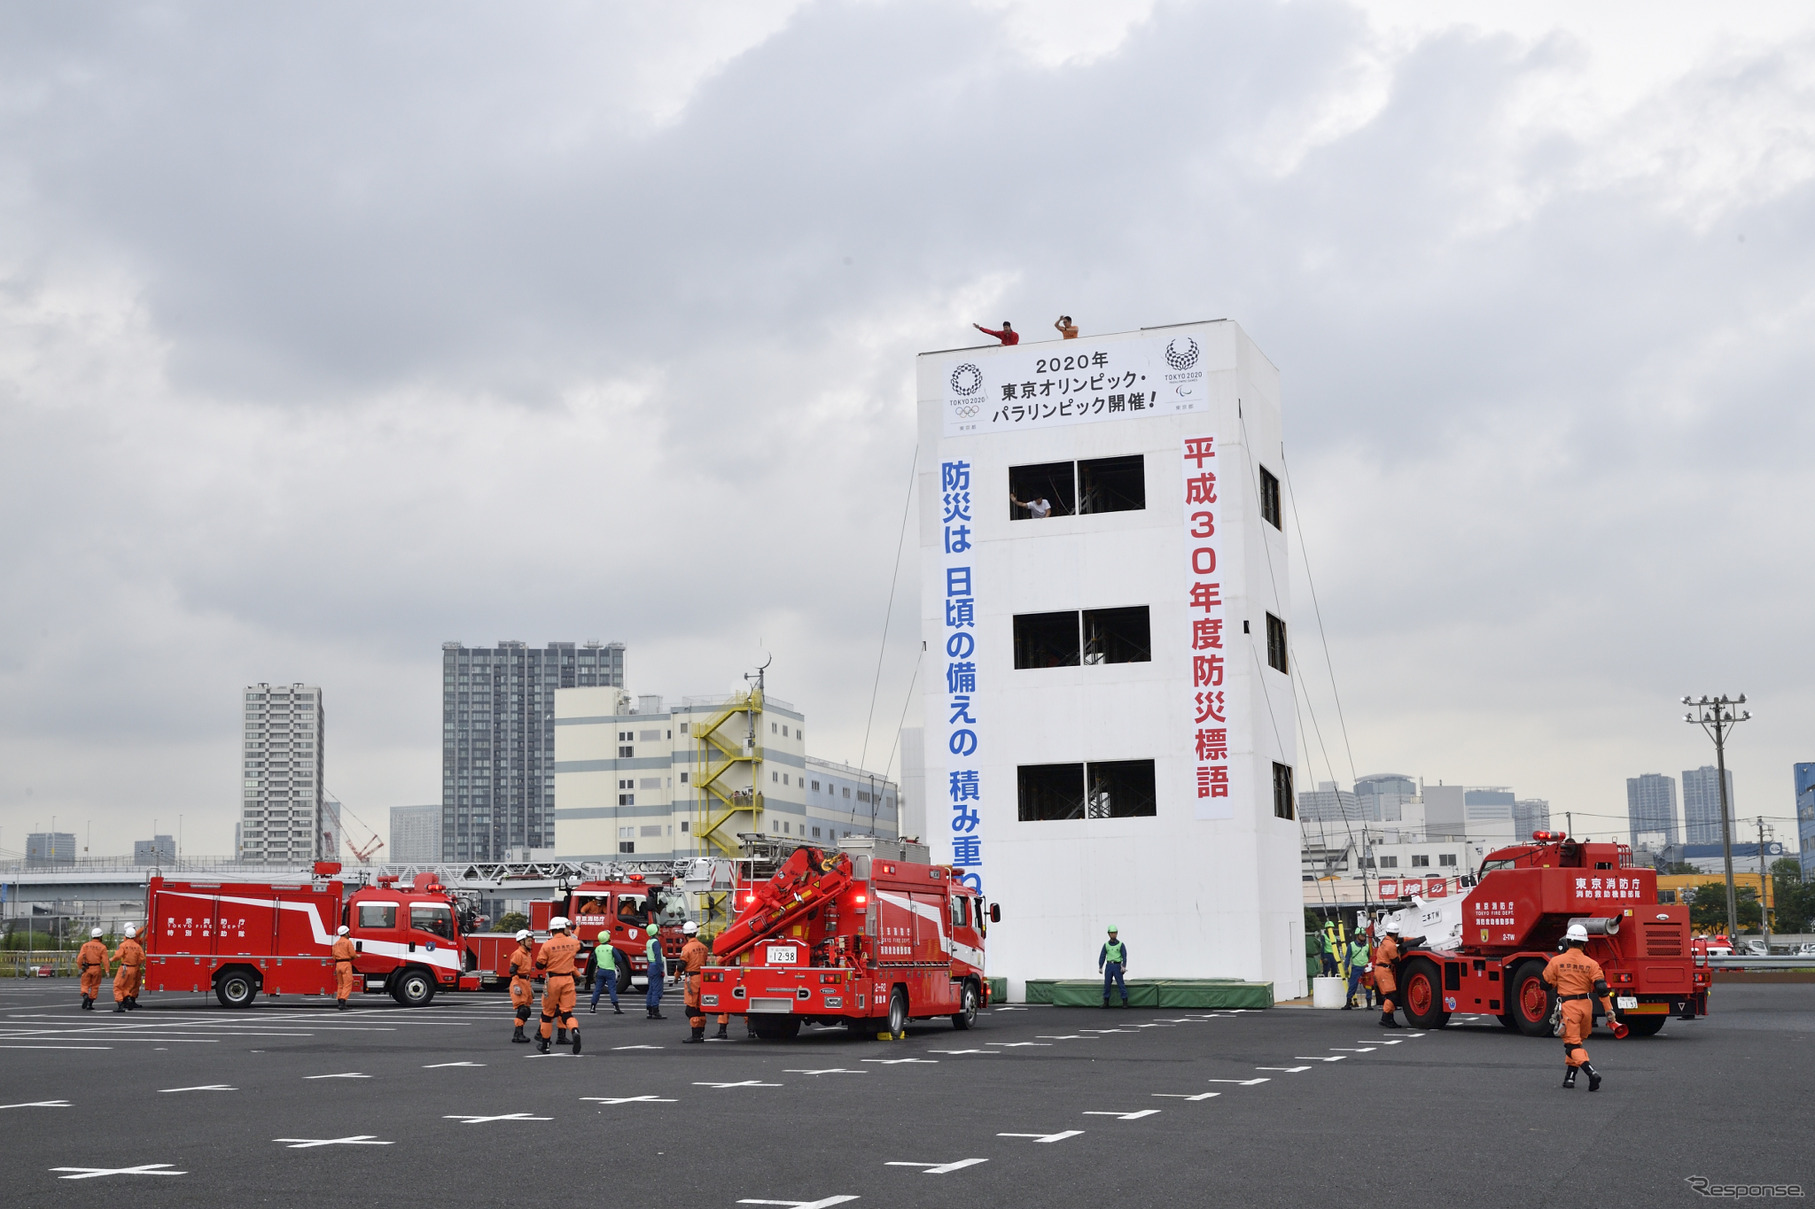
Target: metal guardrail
x,y
27,963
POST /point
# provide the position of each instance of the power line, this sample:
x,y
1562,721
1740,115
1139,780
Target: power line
x,y
894,577
1304,553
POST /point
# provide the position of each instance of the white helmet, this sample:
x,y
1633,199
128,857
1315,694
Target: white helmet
x,y
559,924
524,934
690,928
131,931
1392,927
342,930
95,932
1576,932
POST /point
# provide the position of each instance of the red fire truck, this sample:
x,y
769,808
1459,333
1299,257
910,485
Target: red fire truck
x,y
240,938
1485,953
866,938
623,908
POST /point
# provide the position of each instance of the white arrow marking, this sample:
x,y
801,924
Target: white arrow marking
x,y
358,1139
89,1173
1290,1070
1009,1009
352,1074
1179,1095
615,1048
1178,1020
444,1065
1239,1082
1388,1043
205,1087
1126,1116
744,1083
1413,1036
956,1051
40,1104
1153,1026
1044,1137
1366,1049
1064,1037
830,1070
928,1061
940,1168
83,1047
1315,1058
628,1100
1106,1030
823,1204
509,1116
1009,1045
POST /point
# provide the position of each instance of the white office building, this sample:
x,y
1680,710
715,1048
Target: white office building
x,y
1108,704
641,779
415,834
281,817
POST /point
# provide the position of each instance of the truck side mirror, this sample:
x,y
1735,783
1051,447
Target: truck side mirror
x,y
995,913
359,946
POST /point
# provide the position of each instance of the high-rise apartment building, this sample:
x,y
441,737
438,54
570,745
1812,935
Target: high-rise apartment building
x,y
1529,815
50,848
281,806
1651,807
1805,817
158,850
415,834
1330,804
498,740
1701,805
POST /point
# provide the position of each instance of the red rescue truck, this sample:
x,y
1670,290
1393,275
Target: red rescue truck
x,y
868,938
240,938
624,909
1485,953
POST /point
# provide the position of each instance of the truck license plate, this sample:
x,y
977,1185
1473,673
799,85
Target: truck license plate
x,y
1626,1001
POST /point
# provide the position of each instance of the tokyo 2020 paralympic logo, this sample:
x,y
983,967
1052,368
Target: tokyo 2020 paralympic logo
x,y
967,379
1181,358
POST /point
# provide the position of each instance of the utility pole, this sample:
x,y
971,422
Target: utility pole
x,y
1569,822
1717,716
1764,909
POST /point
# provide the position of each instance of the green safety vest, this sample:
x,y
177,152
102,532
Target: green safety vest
x,y
1116,952
653,949
1358,955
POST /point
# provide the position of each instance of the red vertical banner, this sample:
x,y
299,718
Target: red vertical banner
x,y
1207,621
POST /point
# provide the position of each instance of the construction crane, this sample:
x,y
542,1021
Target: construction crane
x,y
363,852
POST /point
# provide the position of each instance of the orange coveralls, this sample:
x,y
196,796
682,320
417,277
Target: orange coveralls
x,y
522,969
1578,978
1385,954
343,968
693,959
556,958
132,967
92,961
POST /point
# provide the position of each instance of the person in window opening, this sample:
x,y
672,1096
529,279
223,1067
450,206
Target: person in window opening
x,y
1039,509
1067,329
1008,334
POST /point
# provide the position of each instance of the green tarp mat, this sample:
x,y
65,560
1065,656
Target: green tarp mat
x,y
1155,993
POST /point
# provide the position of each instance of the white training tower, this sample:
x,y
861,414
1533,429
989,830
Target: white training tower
x,y
1108,703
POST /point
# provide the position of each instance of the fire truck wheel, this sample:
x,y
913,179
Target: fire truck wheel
x,y
898,1011
236,988
967,1006
1644,1026
413,988
1530,998
1423,991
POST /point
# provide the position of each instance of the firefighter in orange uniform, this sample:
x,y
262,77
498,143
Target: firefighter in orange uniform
x,y
343,968
92,961
556,960
131,957
522,970
693,960
1385,985
1579,981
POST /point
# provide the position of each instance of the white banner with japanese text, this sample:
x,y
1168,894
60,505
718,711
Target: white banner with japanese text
x,y
1213,773
963,729
1082,381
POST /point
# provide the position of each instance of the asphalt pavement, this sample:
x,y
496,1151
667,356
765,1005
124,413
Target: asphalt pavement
x,y
291,1103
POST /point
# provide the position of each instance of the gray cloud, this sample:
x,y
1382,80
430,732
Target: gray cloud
x,y
327,335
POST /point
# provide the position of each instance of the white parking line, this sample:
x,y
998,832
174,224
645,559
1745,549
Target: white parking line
x,y
1045,1137
40,1104
1126,1116
509,1116
940,1168
1179,1095
89,1173
164,1091
358,1139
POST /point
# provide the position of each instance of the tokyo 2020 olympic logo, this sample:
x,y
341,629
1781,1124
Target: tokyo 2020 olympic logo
x,y
1181,358
967,379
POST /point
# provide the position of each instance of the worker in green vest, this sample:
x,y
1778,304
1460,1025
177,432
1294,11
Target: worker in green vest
x,y
1358,965
1112,961
1331,952
658,973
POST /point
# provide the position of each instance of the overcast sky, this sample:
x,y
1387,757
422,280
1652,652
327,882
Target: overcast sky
x,y
329,333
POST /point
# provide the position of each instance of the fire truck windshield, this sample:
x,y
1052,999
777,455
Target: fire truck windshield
x,y
437,921
671,905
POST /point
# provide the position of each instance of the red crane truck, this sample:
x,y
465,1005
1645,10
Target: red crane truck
x,y
1485,953
240,938
867,939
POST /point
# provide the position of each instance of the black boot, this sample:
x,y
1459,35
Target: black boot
x,y
119,1007
1105,1003
1569,1079
340,1005
560,1036
1594,1078
721,1035
696,1036
576,1040
542,1044
616,1010
132,1003
517,1036
1387,1021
